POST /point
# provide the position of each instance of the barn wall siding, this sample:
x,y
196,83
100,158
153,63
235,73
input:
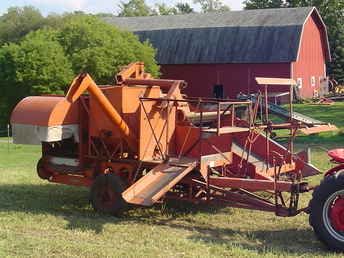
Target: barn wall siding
x,y
231,48
235,78
312,56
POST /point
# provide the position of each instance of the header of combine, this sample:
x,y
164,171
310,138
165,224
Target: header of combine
x,y
141,140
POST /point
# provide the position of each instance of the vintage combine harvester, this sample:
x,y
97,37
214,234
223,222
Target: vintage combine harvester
x,y
141,141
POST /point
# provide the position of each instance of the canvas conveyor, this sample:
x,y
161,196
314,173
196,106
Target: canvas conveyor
x,y
313,125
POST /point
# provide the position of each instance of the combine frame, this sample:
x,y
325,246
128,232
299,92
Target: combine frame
x,y
142,141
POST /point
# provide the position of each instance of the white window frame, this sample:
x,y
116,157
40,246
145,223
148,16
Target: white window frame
x,y
299,83
313,81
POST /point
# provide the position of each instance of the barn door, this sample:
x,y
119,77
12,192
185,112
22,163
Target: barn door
x,y
218,92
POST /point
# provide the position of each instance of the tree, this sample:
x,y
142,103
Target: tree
x,y
163,9
184,8
212,5
37,65
263,4
179,8
101,49
17,22
46,60
134,8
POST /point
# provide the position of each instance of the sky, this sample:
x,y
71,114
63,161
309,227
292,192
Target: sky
x,y
91,6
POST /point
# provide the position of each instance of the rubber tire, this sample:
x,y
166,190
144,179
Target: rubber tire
x,y
117,204
40,171
329,186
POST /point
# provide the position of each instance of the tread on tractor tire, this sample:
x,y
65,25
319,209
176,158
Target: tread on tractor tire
x,y
106,194
327,211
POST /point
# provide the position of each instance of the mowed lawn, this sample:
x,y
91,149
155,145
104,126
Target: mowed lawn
x,y
40,219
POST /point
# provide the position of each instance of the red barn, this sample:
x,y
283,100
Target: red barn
x,y
224,52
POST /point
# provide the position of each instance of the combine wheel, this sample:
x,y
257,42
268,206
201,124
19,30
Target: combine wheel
x,y
106,194
327,211
41,172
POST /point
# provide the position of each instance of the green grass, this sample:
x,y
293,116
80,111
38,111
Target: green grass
x,y
40,219
330,114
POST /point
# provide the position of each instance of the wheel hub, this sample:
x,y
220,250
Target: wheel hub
x,y
337,214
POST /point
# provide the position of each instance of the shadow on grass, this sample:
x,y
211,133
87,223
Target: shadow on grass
x,y
72,204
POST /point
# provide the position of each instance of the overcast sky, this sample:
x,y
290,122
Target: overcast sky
x,y
89,6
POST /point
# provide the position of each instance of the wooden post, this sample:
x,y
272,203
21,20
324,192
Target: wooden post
x,y
8,138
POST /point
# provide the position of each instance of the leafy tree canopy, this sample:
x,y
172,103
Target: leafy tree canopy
x,y
141,8
212,5
164,9
263,4
184,8
45,60
36,65
101,49
179,8
17,22
135,8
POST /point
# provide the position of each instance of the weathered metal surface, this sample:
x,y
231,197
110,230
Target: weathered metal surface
x,y
131,130
319,129
150,188
275,81
45,111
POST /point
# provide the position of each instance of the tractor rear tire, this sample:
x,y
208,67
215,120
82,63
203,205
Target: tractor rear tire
x,y
106,194
327,212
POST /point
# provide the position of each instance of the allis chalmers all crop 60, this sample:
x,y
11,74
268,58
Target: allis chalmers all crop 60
x,y
141,141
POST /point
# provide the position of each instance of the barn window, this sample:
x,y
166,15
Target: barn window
x,y
299,83
218,91
313,81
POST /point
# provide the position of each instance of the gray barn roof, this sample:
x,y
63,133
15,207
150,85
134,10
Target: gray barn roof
x,y
252,36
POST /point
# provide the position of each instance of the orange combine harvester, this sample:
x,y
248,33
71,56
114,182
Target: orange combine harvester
x,y
141,141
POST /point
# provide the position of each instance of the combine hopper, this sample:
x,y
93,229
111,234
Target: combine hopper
x,y
141,141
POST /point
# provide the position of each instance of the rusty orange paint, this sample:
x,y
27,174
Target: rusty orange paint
x,y
45,111
133,70
84,82
160,150
71,180
251,184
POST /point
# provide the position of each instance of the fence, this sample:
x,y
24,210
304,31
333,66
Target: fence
x,y
7,133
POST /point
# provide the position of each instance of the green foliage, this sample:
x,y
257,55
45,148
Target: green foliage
x,y
164,9
101,49
184,8
45,60
37,65
212,5
179,8
263,4
135,8
17,22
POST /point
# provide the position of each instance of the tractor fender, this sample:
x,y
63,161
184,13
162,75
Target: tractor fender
x,y
334,170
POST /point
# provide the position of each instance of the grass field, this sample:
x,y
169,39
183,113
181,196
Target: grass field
x,y
39,219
